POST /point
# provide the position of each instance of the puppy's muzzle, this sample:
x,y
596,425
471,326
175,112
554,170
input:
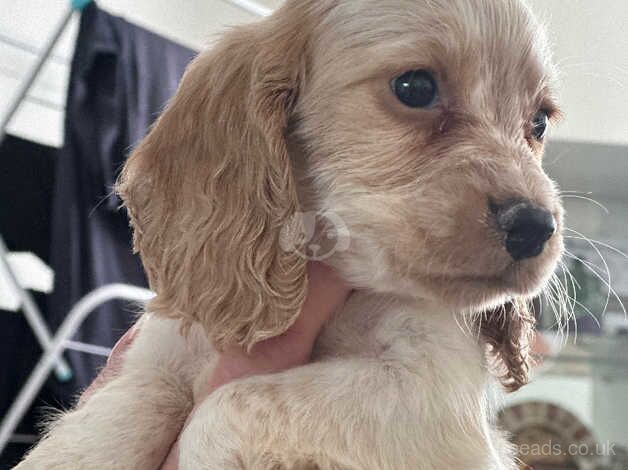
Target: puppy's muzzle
x,y
527,227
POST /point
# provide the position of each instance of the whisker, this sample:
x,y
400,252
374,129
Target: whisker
x,y
572,304
556,158
464,330
588,311
591,267
597,242
568,302
552,298
568,279
585,198
584,193
575,303
592,245
566,309
607,284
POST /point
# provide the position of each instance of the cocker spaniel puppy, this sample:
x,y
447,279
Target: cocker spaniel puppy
x,y
401,140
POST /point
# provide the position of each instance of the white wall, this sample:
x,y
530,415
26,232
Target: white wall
x,y
590,42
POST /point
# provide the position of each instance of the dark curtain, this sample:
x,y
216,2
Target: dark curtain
x,y
121,77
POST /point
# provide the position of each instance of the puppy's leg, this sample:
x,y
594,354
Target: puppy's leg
x,y
307,418
352,414
130,422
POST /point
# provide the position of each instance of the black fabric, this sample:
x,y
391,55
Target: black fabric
x,y
26,183
121,77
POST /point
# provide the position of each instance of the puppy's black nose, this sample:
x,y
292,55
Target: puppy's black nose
x,y
527,228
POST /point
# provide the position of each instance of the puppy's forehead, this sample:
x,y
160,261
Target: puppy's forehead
x,y
496,40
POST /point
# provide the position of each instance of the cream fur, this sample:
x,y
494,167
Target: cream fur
x,y
296,113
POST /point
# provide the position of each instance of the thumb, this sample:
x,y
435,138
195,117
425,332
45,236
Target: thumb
x,y
327,292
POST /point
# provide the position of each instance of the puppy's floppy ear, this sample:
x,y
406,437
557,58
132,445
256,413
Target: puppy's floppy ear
x,y
211,186
509,333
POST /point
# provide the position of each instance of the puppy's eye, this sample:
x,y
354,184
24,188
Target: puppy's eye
x,y
416,89
539,125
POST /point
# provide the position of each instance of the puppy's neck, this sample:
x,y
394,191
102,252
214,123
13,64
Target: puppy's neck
x,y
418,335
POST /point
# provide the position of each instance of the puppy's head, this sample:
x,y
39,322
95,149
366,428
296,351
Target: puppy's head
x,y
424,123
418,124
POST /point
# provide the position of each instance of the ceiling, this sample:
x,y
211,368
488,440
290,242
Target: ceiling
x,y
590,42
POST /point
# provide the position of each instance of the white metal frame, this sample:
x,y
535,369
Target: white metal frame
x,y
252,7
33,73
31,311
59,343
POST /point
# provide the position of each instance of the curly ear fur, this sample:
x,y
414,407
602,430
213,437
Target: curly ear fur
x,y
509,334
210,187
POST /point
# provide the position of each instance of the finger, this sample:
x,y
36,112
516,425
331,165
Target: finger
x,y
114,361
327,292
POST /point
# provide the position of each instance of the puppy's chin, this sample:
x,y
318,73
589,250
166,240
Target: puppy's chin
x,y
473,294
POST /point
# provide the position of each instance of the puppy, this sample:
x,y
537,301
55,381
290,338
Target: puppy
x,y
417,125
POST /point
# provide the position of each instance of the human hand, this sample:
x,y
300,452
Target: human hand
x,y
326,293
